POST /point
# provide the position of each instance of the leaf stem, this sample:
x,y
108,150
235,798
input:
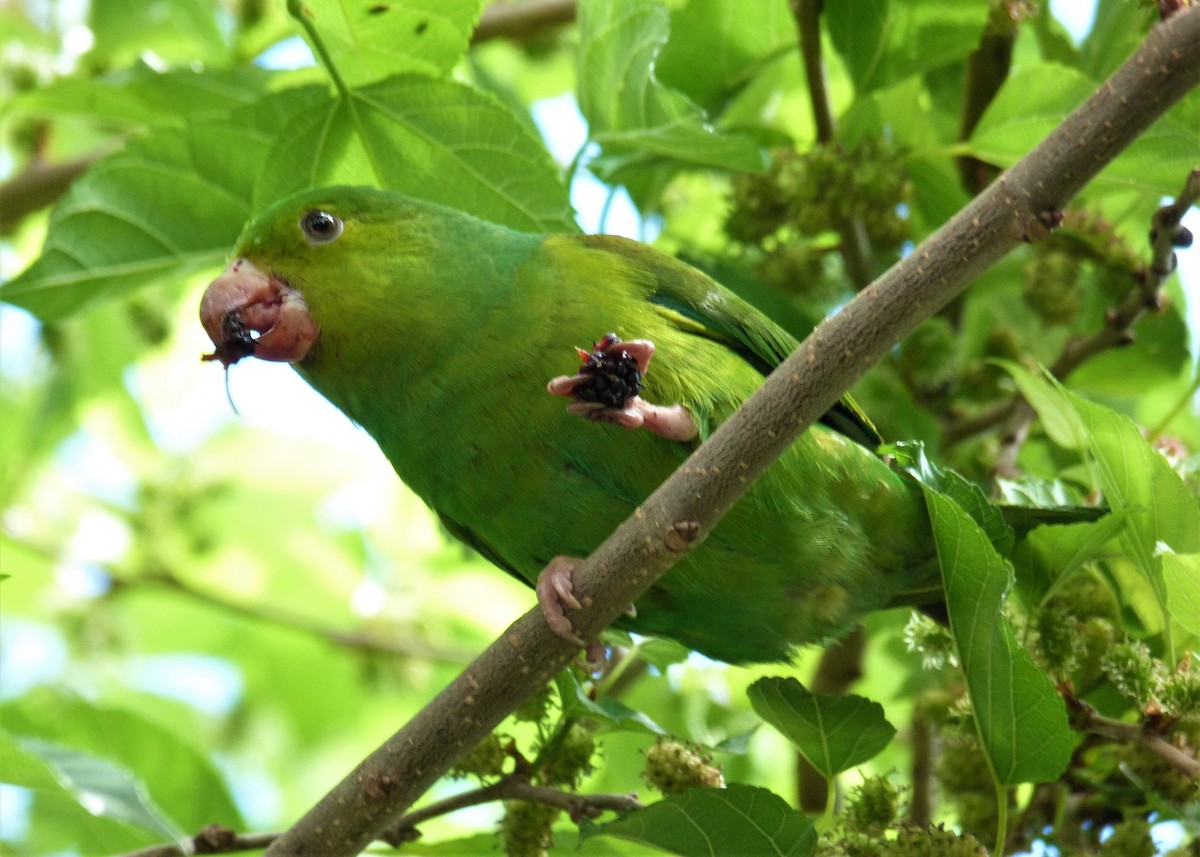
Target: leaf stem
x,y
296,10
1001,817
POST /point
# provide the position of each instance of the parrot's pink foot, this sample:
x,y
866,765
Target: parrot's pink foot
x,y
554,594
673,422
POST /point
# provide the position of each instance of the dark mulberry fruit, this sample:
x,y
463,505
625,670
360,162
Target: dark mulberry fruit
x,y
611,376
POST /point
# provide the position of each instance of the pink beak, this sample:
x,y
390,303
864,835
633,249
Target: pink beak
x,y
249,314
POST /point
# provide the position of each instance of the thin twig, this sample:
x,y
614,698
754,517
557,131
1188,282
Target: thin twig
x,y
214,839
854,245
839,668
1144,295
678,515
512,787
987,69
808,23
520,21
357,640
37,186
1086,719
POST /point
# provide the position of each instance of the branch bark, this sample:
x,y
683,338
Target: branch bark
x,y
1018,207
519,21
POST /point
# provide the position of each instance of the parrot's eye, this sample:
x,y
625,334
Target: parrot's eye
x,y
321,227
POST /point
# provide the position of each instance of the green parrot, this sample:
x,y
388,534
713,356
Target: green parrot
x,y
450,340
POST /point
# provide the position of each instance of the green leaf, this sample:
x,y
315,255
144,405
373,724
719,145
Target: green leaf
x,y
1021,720
740,819
716,48
969,496
434,139
93,748
122,227
661,653
610,714
1034,100
1064,548
1182,576
883,42
183,31
833,732
640,124
21,766
368,41
1134,477
139,97
1117,30
106,789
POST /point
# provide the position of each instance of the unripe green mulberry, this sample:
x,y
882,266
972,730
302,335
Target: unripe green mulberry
x,y
964,780
872,805
934,842
672,767
1180,695
534,709
1134,671
526,829
572,759
1130,838
1052,286
486,759
1155,774
929,356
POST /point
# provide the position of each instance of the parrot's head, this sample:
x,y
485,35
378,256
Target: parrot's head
x,y
301,265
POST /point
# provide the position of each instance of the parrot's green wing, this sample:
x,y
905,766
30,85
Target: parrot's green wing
x,y
693,304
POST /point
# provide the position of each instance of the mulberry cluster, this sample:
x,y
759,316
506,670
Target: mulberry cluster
x,y
672,767
803,196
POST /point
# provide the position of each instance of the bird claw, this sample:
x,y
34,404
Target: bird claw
x,y
672,422
553,590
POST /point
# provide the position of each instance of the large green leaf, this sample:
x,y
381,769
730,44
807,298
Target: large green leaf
x,y
740,819
105,789
716,48
884,41
1163,514
833,732
1034,100
139,97
435,139
91,749
175,31
609,714
1021,719
122,226
369,41
1182,576
639,123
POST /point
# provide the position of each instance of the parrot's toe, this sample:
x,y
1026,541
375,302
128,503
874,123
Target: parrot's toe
x,y
554,594
595,657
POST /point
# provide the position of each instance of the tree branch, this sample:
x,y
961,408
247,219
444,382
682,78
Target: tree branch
x,y
1145,294
35,187
216,839
359,640
524,20
1086,719
854,246
676,517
